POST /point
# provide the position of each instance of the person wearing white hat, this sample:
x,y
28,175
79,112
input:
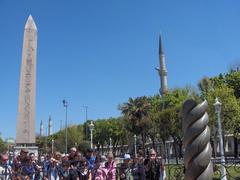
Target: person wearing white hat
x,y
126,169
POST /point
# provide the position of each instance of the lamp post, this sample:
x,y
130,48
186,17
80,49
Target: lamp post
x,y
135,145
65,104
217,106
52,145
91,127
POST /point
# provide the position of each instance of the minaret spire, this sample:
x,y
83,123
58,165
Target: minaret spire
x,y
162,70
49,126
160,45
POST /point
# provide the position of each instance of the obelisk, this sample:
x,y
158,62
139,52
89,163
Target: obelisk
x,y
25,134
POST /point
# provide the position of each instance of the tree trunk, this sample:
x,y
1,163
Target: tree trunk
x,y
122,146
98,147
213,147
102,148
224,141
164,150
153,142
175,148
115,147
175,151
236,153
143,145
180,149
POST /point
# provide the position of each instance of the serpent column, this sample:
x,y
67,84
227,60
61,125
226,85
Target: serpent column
x,y
196,141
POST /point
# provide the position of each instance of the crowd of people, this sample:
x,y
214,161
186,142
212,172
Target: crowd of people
x,y
78,166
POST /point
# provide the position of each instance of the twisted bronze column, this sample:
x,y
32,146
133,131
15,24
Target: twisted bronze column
x,y
196,141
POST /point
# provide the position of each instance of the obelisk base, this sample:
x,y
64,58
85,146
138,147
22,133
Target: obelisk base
x,y
30,147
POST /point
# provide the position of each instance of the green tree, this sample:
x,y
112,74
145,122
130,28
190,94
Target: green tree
x,y
137,116
154,132
100,133
230,113
3,146
228,87
75,136
205,85
166,115
232,79
109,128
42,144
83,146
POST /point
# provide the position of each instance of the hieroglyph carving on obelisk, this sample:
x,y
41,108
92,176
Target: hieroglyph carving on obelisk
x,y
26,105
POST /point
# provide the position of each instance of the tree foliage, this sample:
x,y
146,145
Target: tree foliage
x,y
136,113
137,116
3,146
109,128
42,143
227,88
230,111
232,80
157,117
75,136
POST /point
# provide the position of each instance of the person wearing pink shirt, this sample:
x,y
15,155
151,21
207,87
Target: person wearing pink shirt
x,y
99,172
110,166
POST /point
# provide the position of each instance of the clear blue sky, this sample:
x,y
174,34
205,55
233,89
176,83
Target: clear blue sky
x,y
99,53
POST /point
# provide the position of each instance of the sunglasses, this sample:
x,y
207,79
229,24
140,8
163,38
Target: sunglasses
x,y
152,154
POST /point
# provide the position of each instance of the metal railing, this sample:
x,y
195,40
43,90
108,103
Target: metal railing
x,y
232,166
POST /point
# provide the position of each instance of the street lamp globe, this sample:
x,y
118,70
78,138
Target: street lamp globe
x,y
91,126
217,105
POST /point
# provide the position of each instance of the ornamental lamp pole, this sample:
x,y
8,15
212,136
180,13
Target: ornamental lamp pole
x,y
91,127
52,146
217,106
65,104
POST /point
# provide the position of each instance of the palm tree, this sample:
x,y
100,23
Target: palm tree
x,y
136,114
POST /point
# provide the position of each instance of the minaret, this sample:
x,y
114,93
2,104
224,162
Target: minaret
x,y
41,128
49,126
25,133
162,70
